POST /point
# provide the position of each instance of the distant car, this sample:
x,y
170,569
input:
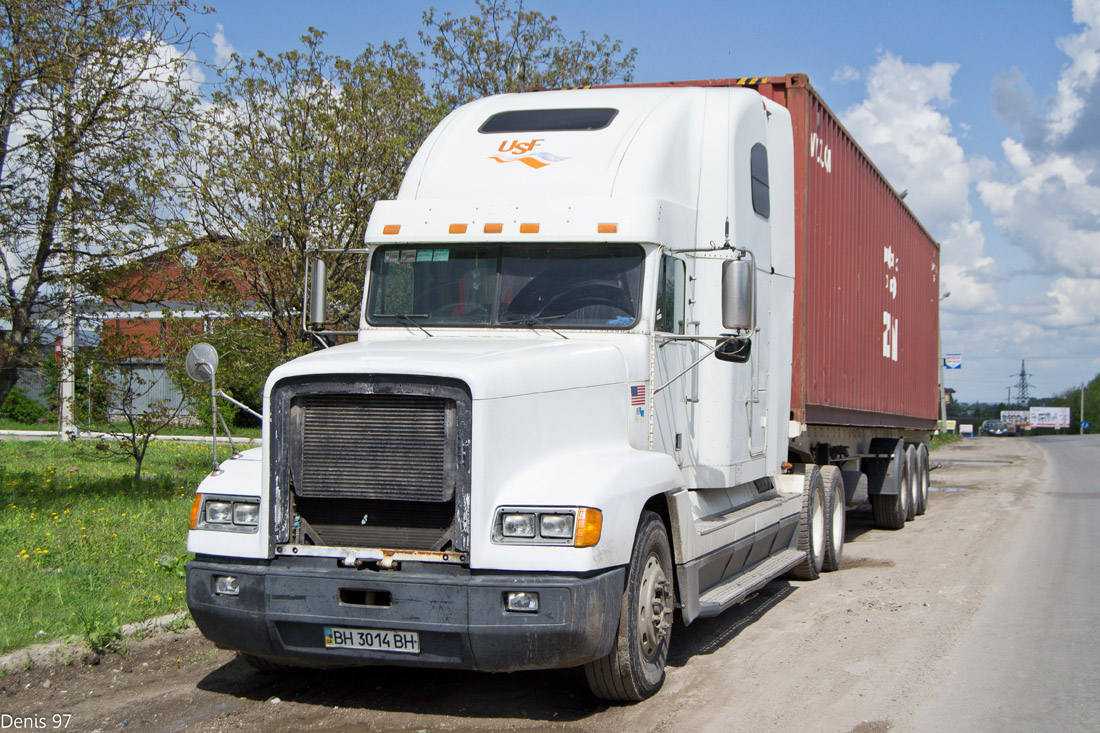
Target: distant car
x,y
994,427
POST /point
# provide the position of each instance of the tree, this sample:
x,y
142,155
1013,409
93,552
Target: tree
x,y
505,48
89,91
291,155
129,398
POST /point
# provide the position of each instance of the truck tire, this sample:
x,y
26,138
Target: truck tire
x,y
890,510
835,517
922,479
635,668
811,527
911,463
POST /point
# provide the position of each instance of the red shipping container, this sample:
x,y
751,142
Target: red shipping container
x,y
866,311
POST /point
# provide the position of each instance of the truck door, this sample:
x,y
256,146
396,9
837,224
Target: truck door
x,y
674,404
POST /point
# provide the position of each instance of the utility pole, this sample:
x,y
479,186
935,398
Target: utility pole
x,y
1008,399
1082,420
939,348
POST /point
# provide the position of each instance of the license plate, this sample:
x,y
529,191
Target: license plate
x,y
403,642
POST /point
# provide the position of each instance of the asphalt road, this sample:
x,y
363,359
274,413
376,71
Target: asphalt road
x,y
1031,659
980,615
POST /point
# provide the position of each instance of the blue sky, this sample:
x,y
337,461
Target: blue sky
x,y
987,112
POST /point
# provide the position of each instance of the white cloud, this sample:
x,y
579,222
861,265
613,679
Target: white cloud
x,y
1047,197
845,74
903,127
223,49
1076,302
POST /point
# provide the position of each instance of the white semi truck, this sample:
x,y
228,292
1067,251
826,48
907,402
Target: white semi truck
x,y
622,353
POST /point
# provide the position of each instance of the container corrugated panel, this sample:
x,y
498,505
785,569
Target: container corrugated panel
x,y
867,277
867,281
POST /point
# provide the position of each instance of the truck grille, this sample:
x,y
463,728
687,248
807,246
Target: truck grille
x,y
375,447
371,462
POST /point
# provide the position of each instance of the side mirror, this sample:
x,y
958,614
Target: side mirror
x,y
318,294
739,294
736,350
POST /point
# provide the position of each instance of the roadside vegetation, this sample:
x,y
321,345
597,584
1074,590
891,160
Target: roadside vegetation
x,y
84,548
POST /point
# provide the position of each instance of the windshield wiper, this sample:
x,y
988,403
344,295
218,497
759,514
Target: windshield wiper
x,y
532,321
407,318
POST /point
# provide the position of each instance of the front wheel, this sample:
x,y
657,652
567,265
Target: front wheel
x,y
635,668
811,527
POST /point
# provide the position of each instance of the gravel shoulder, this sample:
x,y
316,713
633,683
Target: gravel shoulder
x,y
857,650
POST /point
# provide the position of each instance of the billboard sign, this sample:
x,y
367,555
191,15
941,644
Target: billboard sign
x,y
1050,417
953,361
1019,418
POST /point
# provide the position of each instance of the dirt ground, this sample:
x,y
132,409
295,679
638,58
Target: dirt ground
x,y
856,650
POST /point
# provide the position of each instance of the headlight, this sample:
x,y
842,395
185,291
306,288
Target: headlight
x,y
246,514
227,513
219,512
518,525
569,526
556,526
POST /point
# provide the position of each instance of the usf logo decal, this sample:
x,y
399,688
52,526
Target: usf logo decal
x,y
520,151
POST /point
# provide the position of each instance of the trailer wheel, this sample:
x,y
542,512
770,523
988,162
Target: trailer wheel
x,y
835,517
890,510
811,527
911,463
922,479
635,668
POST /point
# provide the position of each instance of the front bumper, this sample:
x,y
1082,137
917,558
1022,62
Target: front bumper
x,y
284,604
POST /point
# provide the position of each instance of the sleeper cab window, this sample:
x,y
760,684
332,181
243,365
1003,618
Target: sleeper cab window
x,y
671,295
761,193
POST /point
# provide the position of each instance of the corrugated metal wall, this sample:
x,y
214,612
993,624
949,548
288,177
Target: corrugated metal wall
x,y
867,302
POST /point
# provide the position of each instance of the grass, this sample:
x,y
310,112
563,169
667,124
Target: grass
x,y
83,550
941,439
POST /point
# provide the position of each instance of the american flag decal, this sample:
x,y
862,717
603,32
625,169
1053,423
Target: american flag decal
x,y
637,395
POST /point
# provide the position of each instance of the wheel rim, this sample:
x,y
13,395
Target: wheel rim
x,y
817,524
654,608
903,490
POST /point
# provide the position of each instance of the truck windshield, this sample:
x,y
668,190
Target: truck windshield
x,y
557,285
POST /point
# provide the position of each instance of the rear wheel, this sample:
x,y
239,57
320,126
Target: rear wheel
x,y
835,517
811,527
635,668
922,479
911,463
890,510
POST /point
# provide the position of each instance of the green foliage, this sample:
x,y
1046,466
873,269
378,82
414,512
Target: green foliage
x,y
291,155
99,633
1072,399
20,407
90,94
81,549
505,48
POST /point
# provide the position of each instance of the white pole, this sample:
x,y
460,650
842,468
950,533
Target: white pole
x,y
67,425
1082,420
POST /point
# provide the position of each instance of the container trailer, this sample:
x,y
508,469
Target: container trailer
x,y
623,353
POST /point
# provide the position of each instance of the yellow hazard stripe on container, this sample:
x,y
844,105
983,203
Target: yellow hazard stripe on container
x,y
749,81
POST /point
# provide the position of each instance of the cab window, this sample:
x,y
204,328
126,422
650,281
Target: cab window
x,y
671,296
